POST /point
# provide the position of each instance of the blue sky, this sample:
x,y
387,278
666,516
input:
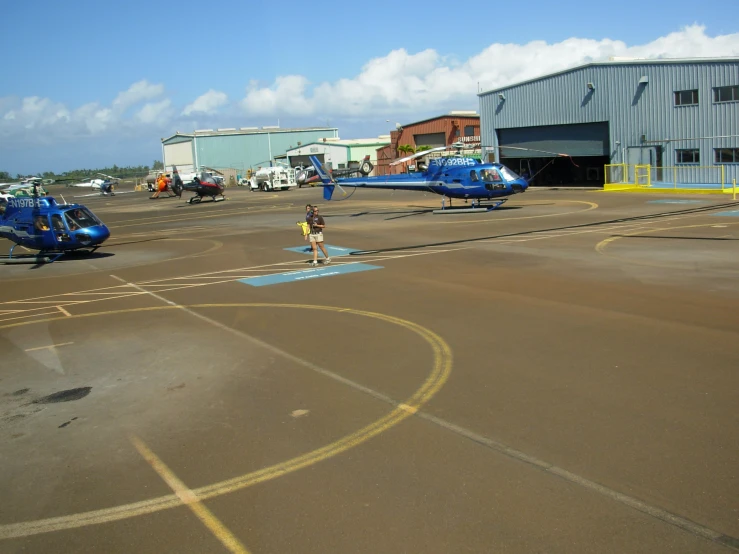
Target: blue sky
x,y
89,84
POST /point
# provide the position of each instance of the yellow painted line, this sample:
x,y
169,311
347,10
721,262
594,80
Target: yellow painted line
x,y
189,498
441,369
29,316
65,312
49,346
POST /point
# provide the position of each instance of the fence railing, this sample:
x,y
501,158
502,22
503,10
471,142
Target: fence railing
x,y
681,176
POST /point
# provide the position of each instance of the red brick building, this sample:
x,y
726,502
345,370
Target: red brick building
x,y
444,130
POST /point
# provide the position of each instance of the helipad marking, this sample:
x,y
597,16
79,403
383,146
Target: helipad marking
x,y
332,250
732,213
306,274
190,499
442,366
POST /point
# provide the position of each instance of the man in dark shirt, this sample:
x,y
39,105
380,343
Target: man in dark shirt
x,y
316,236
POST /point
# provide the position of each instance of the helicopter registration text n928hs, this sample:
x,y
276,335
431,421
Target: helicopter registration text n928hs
x,y
451,177
41,224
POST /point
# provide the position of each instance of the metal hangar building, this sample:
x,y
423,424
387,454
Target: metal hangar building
x,y
236,150
341,153
656,118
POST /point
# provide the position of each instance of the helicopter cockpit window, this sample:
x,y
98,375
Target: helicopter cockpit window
x,y
79,218
41,222
490,176
508,174
473,176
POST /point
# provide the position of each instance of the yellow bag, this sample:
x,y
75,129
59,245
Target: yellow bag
x,y
304,228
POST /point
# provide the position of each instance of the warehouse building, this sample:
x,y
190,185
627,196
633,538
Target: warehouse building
x,y
341,153
233,151
443,130
630,121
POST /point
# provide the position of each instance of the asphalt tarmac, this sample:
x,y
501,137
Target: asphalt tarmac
x,y
559,375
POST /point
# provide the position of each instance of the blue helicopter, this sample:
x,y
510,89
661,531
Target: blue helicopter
x,y
452,177
40,223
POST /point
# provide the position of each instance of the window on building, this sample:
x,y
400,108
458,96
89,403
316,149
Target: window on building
x,y
469,131
686,97
687,156
726,155
726,94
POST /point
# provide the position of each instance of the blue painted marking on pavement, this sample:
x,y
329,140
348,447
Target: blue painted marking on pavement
x,y
732,213
307,274
332,250
674,201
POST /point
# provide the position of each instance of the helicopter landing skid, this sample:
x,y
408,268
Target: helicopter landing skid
x,y
39,258
474,208
198,199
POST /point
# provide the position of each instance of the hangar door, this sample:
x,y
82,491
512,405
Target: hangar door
x,y
582,139
179,154
430,139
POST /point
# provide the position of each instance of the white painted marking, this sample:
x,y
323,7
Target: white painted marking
x,y
48,347
65,312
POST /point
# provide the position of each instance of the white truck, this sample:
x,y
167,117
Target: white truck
x,y
270,178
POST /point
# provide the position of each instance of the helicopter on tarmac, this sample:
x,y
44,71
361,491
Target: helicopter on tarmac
x,y
105,186
203,185
40,223
450,176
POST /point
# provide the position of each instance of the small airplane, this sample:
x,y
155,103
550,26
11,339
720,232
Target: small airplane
x,y
452,177
40,223
202,186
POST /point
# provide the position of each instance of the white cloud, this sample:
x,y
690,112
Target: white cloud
x,y
155,113
403,83
410,83
136,93
42,120
207,103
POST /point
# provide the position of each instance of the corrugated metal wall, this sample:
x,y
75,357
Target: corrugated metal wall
x,y
242,151
632,110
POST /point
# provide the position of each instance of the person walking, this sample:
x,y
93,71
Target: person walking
x,y
317,224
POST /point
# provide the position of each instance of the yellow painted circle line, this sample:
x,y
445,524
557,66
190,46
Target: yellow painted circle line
x,y
601,246
442,366
591,206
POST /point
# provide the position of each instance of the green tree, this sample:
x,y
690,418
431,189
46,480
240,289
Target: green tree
x,y
405,149
5,176
157,165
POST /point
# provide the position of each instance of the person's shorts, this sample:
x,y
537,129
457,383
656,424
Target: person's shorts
x,y
316,237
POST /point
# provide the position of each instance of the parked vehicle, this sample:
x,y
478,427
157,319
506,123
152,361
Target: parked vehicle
x,y
270,179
